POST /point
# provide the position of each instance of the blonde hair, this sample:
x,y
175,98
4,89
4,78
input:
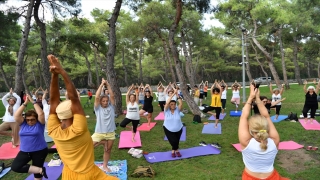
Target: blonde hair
x,y
259,129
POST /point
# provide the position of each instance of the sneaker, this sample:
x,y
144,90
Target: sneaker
x,y
55,156
236,111
237,106
202,143
216,145
293,121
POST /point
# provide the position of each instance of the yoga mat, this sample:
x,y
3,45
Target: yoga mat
x,y
221,116
125,140
47,138
186,153
4,172
144,126
119,168
285,145
183,135
53,172
280,118
210,129
308,126
7,152
160,116
235,114
54,146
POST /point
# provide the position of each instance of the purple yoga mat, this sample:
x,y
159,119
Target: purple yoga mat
x,y
210,129
183,135
52,172
186,153
221,116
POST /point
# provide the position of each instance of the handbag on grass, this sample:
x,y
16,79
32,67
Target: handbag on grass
x,y
143,171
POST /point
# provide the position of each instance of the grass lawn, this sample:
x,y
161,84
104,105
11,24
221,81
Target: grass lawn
x,y
227,165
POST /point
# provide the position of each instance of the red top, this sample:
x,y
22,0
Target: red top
x,y
89,93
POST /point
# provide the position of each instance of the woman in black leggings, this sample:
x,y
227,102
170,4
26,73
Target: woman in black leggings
x,y
147,107
310,103
33,146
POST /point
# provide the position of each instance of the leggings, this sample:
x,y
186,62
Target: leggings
x,y
173,137
210,108
223,102
126,121
306,109
278,107
162,103
20,163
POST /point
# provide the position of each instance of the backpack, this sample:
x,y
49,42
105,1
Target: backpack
x,y
197,118
292,116
143,171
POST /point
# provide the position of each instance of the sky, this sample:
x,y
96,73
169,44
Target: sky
x,y
89,5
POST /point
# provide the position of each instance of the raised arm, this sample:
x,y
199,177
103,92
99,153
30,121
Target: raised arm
x,y
270,88
18,114
38,109
150,89
5,97
112,100
128,94
211,89
277,102
18,98
305,86
282,89
98,93
317,88
219,87
180,103
166,106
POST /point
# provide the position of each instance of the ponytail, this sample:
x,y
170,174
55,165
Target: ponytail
x,y
263,136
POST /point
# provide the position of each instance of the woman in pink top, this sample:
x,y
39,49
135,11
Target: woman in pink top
x,y
259,141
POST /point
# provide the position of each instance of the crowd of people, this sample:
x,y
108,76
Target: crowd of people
x,y
65,122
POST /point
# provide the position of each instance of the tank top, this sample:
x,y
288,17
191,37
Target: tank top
x,y
259,161
276,98
205,89
215,100
235,94
141,96
224,94
311,100
148,102
133,111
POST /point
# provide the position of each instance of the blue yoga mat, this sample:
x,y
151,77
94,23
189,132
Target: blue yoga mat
x,y
235,114
120,166
280,118
210,129
4,172
183,136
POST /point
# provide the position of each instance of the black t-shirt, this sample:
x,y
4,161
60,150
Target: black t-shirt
x,y
147,102
311,100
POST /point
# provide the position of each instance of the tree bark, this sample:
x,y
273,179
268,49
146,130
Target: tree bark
x,y
23,46
39,69
247,65
46,75
140,62
96,67
295,61
90,82
268,56
260,64
110,71
189,68
283,61
35,79
124,68
3,74
183,86
318,69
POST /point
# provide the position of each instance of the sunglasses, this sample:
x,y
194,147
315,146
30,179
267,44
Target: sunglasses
x,y
31,120
264,101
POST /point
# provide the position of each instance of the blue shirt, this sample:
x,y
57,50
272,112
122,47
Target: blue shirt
x,y
31,137
172,121
105,119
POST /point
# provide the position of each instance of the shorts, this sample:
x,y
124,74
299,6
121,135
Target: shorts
x,y
90,97
97,137
205,94
237,100
141,101
201,96
148,109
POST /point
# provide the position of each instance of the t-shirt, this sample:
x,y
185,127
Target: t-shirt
x,y
89,93
148,102
73,143
276,98
141,96
7,116
235,94
161,96
105,119
133,111
197,93
224,94
172,121
46,110
205,89
201,91
173,98
311,100
31,137
215,100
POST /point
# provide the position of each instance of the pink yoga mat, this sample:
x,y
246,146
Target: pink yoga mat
x,y
160,116
7,152
125,140
144,126
308,126
285,145
54,146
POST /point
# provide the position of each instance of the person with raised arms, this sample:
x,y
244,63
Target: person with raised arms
x,y
161,96
67,125
236,94
311,102
276,95
224,88
141,94
147,107
202,95
259,141
205,89
132,115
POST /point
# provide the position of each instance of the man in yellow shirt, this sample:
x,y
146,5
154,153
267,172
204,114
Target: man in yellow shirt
x,y
67,125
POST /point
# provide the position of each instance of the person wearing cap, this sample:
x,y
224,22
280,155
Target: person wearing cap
x,y
311,102
276,96
104,133
11,102
67,125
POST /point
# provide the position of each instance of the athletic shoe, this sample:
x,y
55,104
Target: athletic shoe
x,y
178,154
216,145
202,143
55,156
237,106
236,111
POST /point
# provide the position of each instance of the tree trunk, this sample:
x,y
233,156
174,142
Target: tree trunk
x,y
192,105
267,54
46,75
4,77
124,69
295,61
140,62
39,69
97,53
318,69
23,47
308,70
35,80
24,78
165,67
260,64
90,82
247,65
283,62
111,73
96,67
189,68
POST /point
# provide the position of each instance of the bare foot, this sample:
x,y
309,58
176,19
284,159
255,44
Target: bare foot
x,y
133,140
105,169
311,121
216,126
14,146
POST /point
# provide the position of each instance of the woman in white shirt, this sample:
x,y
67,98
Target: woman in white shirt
x,y
236,94
132,115
276,96
259,141
161,96
224,88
